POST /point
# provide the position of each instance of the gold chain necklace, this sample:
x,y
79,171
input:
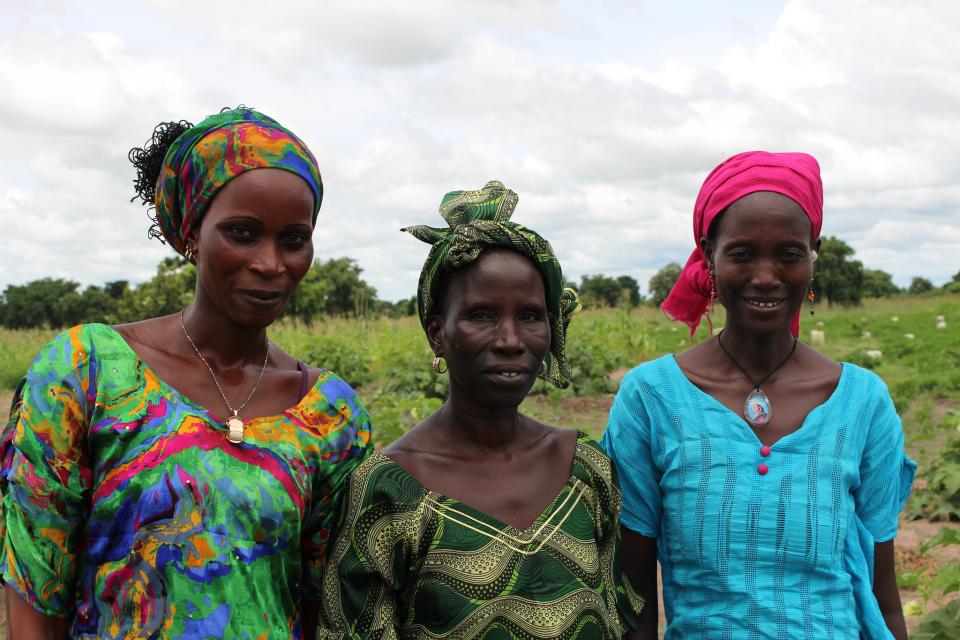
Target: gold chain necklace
x,y
234,423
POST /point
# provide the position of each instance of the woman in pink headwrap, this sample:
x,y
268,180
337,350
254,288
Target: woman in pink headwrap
x,y
765,477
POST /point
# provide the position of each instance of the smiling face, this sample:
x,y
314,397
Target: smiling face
x,y
254,245
760,251
492,329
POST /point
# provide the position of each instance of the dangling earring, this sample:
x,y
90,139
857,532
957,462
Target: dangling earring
x,y
437,362
189,254
811,296
713,293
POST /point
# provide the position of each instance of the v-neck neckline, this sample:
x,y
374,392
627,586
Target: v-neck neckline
x,y
572,484
186,399
785,440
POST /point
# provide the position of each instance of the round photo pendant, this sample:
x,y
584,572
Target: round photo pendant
x,y
757,408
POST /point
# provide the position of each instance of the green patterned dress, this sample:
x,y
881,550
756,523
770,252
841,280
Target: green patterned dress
x,y
411,563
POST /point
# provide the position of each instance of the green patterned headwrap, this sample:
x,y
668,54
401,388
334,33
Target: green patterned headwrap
x,y
479,220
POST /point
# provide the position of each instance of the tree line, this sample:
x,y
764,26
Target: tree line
x,y
334,287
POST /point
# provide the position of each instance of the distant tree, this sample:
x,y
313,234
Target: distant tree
x,y
662,282
629,290
116,288
603,291
878,284
332,287
919,285
838,278
167,292
40,303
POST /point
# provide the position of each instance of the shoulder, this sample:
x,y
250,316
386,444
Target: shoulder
x,y
591,456
380,480
652,372
334,388
75,347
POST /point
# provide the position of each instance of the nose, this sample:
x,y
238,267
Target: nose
x,y
267,260
508,336
766,274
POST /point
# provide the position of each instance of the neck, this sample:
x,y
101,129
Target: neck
x,y
756,352
481,428
223,343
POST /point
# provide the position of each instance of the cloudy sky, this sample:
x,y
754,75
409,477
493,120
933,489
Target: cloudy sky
x,y
604,117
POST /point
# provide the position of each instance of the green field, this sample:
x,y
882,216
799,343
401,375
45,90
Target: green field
x,y
388,361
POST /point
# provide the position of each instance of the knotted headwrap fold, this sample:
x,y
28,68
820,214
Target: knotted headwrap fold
x,y
481,219
795,175
209,155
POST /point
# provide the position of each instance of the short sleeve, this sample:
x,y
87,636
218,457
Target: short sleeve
x,y
45,475
886,473
628,442
344,450
371,555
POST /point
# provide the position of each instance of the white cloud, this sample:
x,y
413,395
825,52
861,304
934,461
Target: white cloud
x,y
603,120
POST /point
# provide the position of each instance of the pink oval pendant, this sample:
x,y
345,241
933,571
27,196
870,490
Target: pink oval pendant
x,y
757,409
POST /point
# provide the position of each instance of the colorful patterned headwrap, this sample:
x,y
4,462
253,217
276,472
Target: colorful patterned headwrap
x,y
795,175
209,155
481,219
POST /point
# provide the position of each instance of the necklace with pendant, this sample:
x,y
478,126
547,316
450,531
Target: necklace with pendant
x,y
234,423
757,408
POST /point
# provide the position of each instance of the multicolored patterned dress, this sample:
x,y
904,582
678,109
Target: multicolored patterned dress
x,y
410,563
127,510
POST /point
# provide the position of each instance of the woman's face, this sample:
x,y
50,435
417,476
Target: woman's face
x,y
761,255
255,245
493,329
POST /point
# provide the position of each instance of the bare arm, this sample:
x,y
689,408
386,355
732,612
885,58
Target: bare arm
x,y
26,623
885,589
639,557
310,618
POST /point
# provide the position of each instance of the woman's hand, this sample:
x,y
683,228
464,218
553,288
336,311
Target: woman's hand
x,y
26,623
639,557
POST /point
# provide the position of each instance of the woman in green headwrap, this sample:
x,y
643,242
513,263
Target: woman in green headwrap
x,y
482,522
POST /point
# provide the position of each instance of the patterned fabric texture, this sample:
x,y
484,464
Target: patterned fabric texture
x,y
206,157
784,555
127,510
480,219
410,563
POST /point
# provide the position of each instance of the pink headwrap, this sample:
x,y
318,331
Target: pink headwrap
x,y
795,175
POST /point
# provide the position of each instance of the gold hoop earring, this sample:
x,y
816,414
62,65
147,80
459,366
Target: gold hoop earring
x,y
437,362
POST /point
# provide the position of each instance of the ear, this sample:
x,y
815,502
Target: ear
x,y
435,334
191,242
816,245
706,247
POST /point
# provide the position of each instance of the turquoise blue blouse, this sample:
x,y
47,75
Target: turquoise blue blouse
x,y
779,551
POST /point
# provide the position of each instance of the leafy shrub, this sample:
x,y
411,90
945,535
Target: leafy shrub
x,y
939,499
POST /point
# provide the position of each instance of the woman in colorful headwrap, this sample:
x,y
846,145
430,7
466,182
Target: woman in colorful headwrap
x,y
482,522
176,477
766,477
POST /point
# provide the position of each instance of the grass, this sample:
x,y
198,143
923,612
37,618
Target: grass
x,y
388,361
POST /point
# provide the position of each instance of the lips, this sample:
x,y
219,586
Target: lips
x,y
764,303
261,294
508,374
261,298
